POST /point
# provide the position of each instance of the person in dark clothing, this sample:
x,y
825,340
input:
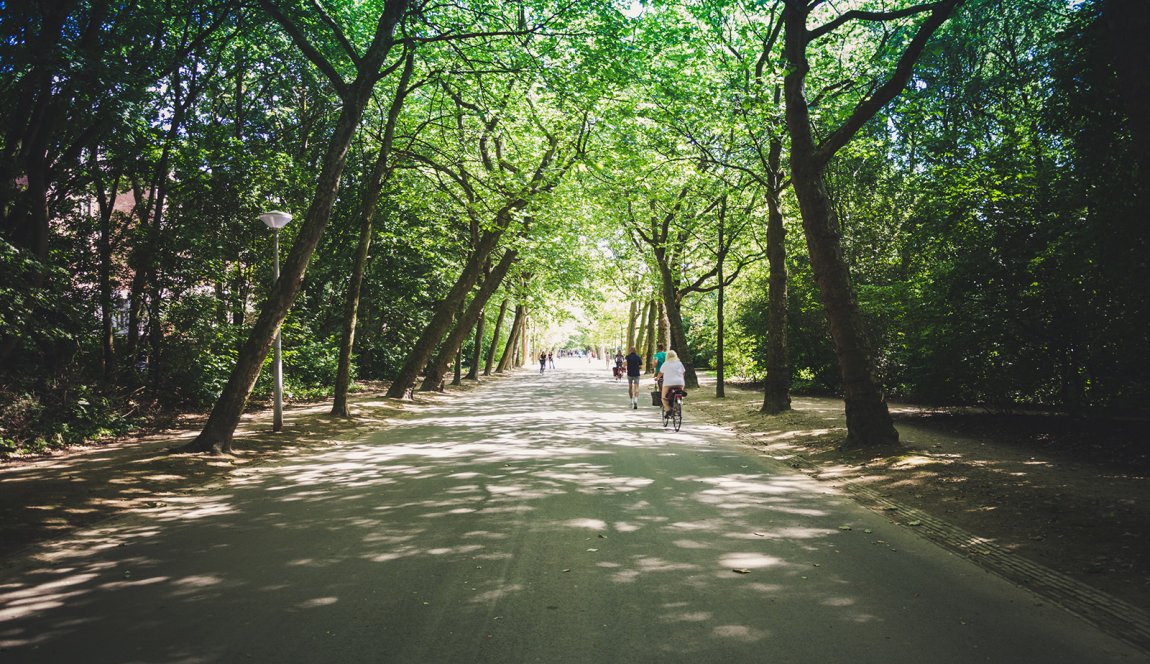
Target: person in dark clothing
x,y
634,370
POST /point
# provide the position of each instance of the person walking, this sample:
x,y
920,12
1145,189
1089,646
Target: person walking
x,y
551,359
673,374
634,370
542,361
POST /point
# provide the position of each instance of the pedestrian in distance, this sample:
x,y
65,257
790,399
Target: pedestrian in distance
x,y
634,370
673,374
542,361
551,359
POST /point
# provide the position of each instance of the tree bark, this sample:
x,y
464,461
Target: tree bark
x,y
869,423
505,362
720,369
220,427
440,321
477,351
641,329
676,333
632,314
467,321
649,352
372,191
495,338
777,396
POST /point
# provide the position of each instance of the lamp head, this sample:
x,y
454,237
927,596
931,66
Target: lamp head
x,y
275,219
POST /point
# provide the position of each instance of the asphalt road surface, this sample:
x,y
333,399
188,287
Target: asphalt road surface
x,y
537,519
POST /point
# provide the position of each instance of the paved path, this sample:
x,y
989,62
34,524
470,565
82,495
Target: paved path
x,y
534,520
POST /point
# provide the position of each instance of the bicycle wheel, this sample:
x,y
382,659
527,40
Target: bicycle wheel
x,y
677,414
666,417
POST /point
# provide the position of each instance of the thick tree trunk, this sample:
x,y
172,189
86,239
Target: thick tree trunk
x,y
489,364
641,329
467,321
777,397
677,335
868,419
217,433
505,362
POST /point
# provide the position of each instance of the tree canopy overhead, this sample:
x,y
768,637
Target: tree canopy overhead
x,y
941,200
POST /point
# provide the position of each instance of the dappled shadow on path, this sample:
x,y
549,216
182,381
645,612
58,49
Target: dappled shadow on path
x,y
536,519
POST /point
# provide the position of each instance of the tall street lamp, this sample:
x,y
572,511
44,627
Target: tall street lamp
x,y
276,220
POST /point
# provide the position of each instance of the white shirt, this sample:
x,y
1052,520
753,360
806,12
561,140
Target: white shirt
x,y
674,373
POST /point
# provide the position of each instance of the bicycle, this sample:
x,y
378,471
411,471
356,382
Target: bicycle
x,y
674,414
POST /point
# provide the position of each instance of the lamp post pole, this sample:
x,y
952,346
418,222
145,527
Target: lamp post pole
x,y
276,220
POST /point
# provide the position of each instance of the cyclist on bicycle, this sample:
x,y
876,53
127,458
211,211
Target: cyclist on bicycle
x,y
673,374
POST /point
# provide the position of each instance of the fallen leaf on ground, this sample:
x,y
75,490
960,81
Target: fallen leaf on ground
x,y
741,570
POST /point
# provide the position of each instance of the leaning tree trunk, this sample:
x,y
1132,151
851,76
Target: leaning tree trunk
x,y
432,334
868,418
477,351
777,397
467,321
225,416
508,357
372,191
495,338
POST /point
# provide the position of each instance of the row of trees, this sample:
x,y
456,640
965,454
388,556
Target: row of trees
x,y
935,200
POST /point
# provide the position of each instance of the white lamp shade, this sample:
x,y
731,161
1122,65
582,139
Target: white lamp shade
x,y
275,219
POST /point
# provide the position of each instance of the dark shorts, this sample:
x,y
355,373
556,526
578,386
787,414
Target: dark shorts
x,y
633,380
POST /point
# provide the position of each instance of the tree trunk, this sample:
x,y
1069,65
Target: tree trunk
x,y
649,351
505,362
372,191
432,334
676,333
467,321
217,433
869,422
351,307
641,329
720,370
777,396
632,314
495,338
477,351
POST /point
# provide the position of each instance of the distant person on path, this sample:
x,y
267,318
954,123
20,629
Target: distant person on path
x,y
551,359
673,374
542,361
634,370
